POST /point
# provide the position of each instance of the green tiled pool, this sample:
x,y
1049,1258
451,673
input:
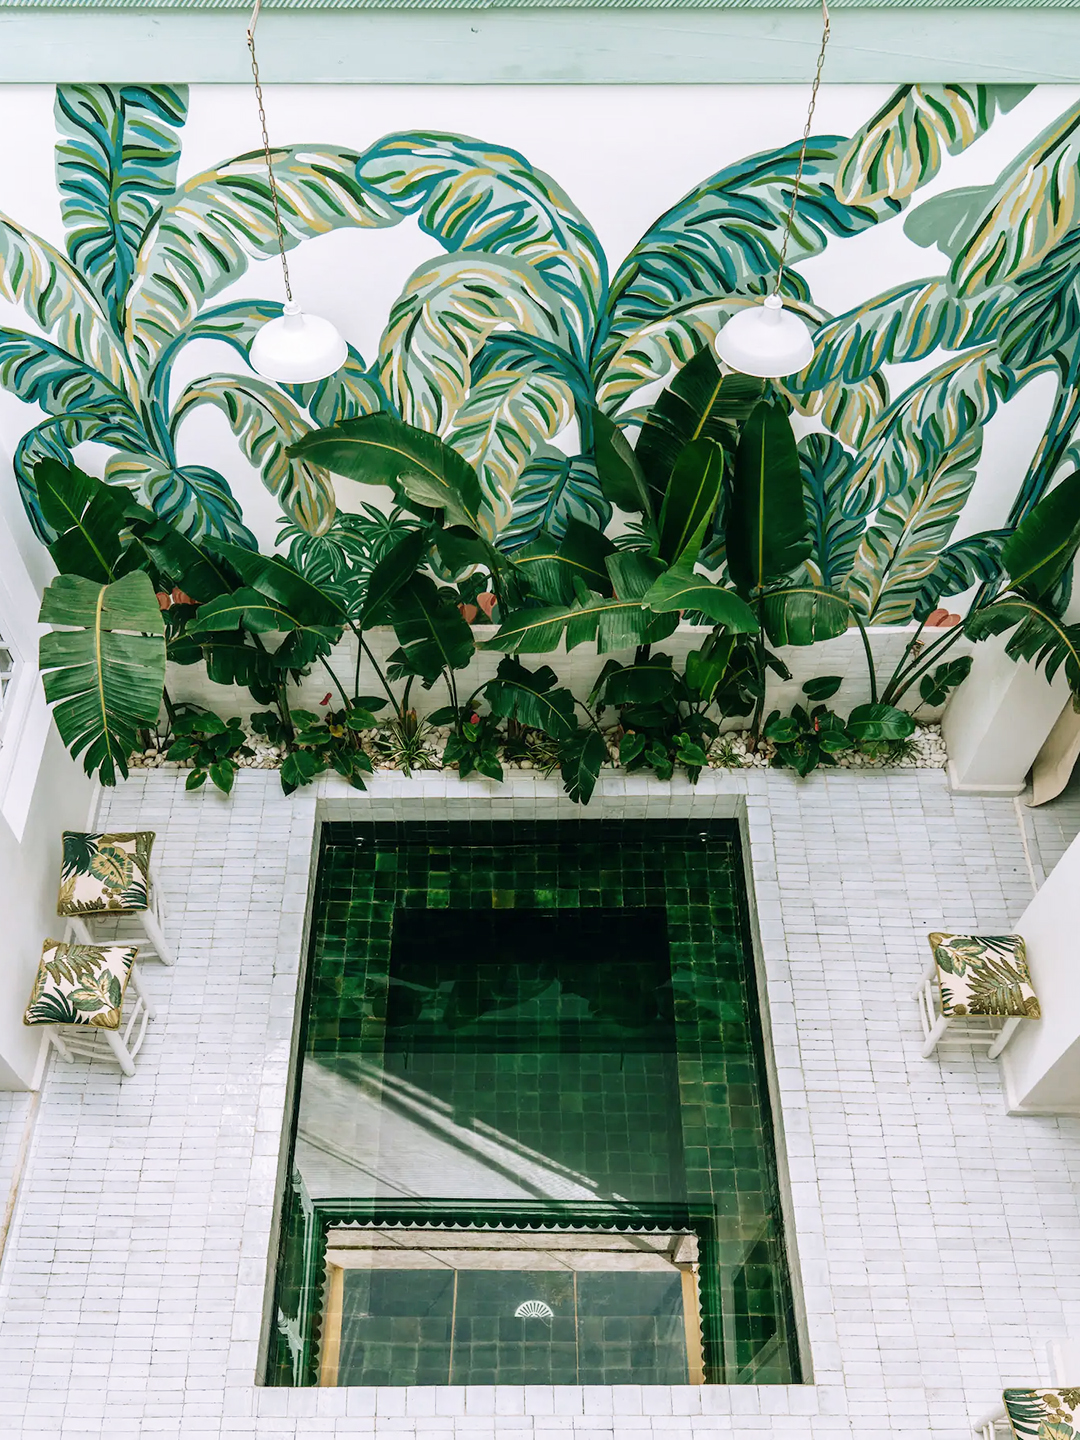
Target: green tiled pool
x,y
532,1139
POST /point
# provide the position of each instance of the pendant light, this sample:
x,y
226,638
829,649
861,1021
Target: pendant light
x,y
295,348
767,340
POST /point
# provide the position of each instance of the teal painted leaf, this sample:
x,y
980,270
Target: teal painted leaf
x,y
37,276
345,395
901,548
905,323
921,425
506,417
945,220
552,490
194,498
40,373
220,219
903,145
115,168
1042,312
472,196
1031,209
836,519
266,422
437,330
974,560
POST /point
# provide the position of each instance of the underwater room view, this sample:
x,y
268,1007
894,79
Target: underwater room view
x,y
532,1137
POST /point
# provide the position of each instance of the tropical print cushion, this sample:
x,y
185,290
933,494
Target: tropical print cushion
x,y
80,985
105,872
1044,1414
984,975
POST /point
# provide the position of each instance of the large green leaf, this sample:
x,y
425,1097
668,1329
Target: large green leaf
x,y
552,492
470,195
767,528
115,167
267,423
1037,635
105,675
804,614
392,571
249,609
380,450
581,758
430,628
1046,540
553,572
531,697
221,218
837,518
277,579
194,498
700,403
681,589
903,145
88,517
621,476
690,500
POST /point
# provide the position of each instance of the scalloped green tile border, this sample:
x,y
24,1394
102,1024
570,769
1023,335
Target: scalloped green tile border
x,y
522,42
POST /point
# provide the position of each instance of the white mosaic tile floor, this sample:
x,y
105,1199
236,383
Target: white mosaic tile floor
x,y
938,1238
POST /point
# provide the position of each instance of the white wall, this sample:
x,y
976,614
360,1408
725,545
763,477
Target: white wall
x,y
42,791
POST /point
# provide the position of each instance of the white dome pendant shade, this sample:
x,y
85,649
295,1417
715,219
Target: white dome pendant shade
x,y
296,348
765,340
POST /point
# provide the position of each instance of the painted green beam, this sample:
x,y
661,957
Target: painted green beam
x,y
465,42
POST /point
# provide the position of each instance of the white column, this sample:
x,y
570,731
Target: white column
x,y
996,722
1041,1067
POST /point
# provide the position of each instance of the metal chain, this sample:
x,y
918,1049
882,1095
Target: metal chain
x,y
266,150
802,149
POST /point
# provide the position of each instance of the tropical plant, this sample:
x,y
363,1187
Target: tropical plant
x,y
213,746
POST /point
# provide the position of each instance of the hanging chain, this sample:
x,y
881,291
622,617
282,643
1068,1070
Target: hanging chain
x,y
802,149
266,150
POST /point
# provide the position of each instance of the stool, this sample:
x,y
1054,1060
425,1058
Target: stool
x,y
976,990
81,988
112,875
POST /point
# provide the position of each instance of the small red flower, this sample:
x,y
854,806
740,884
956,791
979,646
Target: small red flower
x,y
326,698
474,719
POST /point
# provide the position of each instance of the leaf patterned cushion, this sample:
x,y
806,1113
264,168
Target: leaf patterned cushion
x,y
105,872
80,985
1044,1414
984,975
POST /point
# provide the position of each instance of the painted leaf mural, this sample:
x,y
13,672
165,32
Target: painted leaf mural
x,y
508,341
